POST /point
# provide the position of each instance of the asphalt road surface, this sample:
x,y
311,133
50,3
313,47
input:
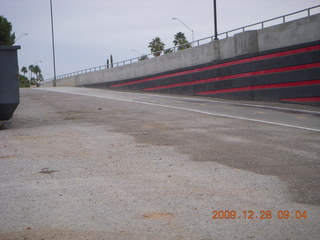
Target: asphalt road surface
x,y
78,163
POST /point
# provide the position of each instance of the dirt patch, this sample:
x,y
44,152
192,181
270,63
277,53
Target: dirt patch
x,y
158,215
8,156
59,234
47,171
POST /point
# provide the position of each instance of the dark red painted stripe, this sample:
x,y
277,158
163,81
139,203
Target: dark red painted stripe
x,y
241,75
261,87
258,58
305,99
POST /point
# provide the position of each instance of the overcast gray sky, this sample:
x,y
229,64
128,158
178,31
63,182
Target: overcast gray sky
x,y
88,31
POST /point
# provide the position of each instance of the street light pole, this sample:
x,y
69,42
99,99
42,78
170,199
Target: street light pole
x,y
215,20
23,34
37,62
186,26
133,50
53,52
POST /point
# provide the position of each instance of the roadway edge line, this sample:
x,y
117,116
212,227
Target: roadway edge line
x,y
184,109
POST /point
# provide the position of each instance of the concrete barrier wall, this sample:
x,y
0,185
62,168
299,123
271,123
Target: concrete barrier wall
x,y
243,45
292,33
186,58
290,74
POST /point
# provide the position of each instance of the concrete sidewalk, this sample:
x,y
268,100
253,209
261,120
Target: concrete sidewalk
x,y
81,167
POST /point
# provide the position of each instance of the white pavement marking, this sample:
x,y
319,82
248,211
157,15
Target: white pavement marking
x,y
188,109
223,102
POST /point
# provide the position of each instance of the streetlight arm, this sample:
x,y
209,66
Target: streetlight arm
x,y
133,50
186,27
21,36
182,23
37,62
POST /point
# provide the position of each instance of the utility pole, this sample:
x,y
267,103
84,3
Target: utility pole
x,y
215,20
53,52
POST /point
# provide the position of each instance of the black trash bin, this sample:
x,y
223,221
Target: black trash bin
x,y
9,81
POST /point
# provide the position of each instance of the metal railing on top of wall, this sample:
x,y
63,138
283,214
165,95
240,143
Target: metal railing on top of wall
x,y
258,25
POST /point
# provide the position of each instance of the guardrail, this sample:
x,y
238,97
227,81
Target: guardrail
x,y
258,25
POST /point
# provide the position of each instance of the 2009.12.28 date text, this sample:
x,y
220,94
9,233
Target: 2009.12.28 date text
x,y
260,214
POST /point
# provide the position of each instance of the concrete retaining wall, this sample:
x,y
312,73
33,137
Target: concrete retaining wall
x,y
243,45
290,74
292,33
181,59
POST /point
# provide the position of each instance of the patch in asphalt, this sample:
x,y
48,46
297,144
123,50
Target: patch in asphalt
x,y
47,171
158,215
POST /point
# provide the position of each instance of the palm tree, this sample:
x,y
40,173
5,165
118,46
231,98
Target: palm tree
x,y
36,70
181,41
39,79
24,70
156,46
31,69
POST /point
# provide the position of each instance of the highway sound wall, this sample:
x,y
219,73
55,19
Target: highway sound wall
x,y
279,63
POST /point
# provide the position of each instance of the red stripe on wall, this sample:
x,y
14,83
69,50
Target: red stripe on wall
x,y
305,99
258,58
241,75
261,87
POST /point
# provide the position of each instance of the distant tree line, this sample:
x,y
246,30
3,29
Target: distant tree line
x,y
157,46
35,78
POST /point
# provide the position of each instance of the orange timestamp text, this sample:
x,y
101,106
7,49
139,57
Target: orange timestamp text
x,y
259,214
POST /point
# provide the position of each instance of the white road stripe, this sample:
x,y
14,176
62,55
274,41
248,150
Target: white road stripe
x,y
184,109
220,101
